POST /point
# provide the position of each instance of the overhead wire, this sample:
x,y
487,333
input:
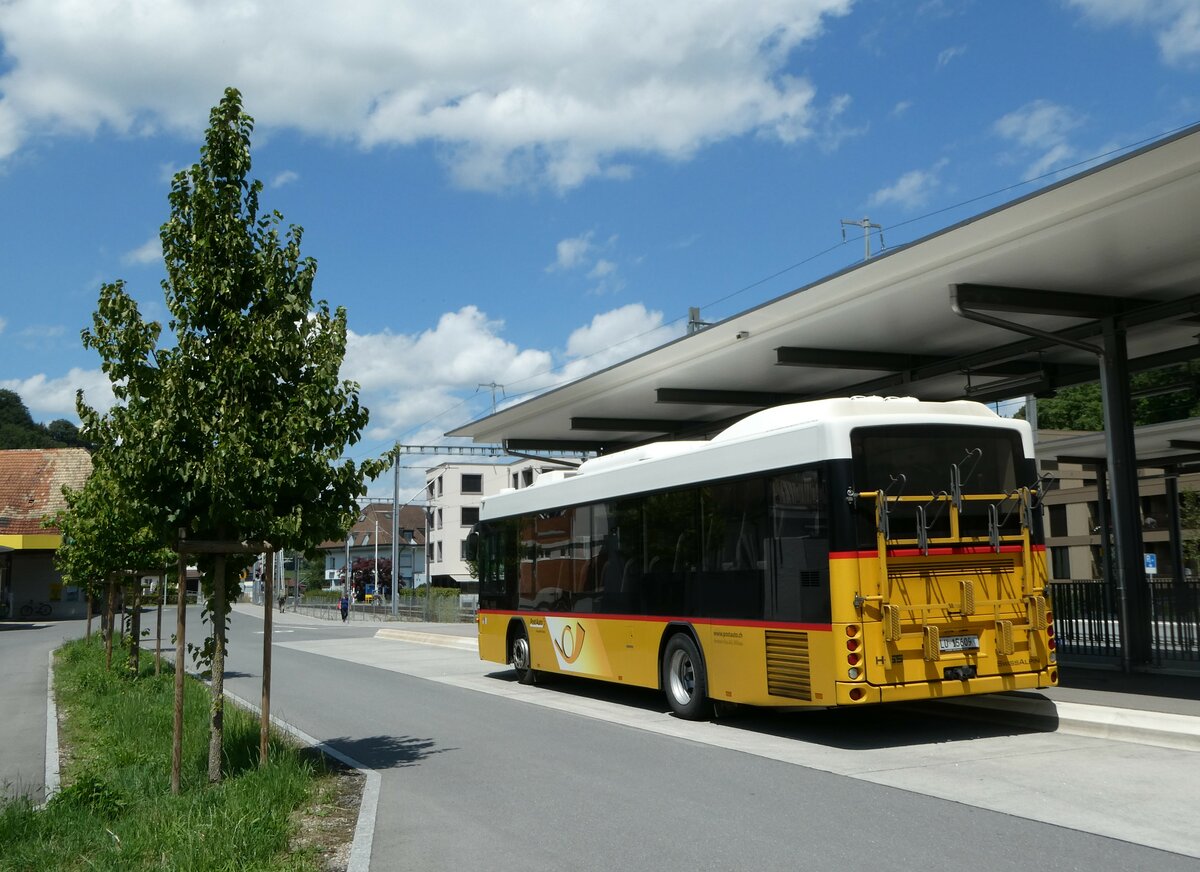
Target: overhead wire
x,y
1058,171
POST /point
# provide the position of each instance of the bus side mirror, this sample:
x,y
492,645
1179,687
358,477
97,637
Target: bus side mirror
x,y
473,545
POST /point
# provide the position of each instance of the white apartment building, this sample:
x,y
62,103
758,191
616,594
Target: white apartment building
x,y
454,492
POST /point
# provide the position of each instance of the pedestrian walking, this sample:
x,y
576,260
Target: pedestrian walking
x,y
282,600
344,607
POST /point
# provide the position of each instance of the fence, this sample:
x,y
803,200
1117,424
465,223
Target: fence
x,y
438,609
1087,621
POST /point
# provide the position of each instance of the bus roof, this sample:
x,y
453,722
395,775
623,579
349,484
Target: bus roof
x,y
775,438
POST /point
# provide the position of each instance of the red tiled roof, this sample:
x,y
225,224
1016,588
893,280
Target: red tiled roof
x,y
31,483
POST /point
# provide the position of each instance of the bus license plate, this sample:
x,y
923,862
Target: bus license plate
x,y
958,643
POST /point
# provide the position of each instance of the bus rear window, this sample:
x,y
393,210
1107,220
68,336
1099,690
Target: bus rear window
x,y
990,461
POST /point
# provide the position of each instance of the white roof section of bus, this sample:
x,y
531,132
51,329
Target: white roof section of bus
x,y
1129,229
777,438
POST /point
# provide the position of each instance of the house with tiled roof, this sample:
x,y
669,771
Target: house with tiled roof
x,y
371,535
31,483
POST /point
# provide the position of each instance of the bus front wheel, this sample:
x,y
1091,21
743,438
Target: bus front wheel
x,y
684,679
518,656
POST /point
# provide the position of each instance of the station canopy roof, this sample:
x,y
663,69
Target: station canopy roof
x,y
1037,280
1173,445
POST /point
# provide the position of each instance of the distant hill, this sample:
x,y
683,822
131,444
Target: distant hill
x,y
19,430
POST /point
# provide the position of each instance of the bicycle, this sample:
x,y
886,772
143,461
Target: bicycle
x,y
42,609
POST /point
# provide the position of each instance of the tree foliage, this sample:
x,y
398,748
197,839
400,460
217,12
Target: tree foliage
x,y
18,429
236,431
362,572
100,536
1080,407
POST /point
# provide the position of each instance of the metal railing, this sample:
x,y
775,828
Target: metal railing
x,y
439,610
1087,622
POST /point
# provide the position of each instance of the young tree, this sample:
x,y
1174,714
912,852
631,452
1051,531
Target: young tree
x,y
235,433
103,537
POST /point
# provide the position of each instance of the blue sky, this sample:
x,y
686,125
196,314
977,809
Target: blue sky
x,y
521,193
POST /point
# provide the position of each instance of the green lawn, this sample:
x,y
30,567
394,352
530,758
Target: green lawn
x,y
116,810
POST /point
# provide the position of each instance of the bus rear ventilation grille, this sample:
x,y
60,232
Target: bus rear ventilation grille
x,y
946,570
788,665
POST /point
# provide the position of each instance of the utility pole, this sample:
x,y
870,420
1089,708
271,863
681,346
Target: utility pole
x,y
867,227
395,538
493,386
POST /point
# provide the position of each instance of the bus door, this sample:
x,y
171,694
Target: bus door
x,y
798,581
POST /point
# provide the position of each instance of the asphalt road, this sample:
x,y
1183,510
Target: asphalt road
x,y
480,772
25,648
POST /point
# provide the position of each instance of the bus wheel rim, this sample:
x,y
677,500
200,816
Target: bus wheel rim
x,y
683,677
520,653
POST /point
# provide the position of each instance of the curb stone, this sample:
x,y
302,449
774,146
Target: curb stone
x,y
1163,729
53,771
364,830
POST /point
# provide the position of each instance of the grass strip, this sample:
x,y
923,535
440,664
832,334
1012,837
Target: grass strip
x,y
116,810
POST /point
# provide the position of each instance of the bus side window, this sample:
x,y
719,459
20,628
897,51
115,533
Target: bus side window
x,y
735,529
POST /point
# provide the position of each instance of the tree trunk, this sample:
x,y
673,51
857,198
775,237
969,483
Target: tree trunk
x,y
87,595
216,735
264,729
180,649
110,619
162,595
135,629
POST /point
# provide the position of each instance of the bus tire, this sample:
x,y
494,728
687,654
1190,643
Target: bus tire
x,y
684,679
519,656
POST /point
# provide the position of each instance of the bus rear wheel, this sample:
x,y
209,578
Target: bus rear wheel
x,y
684,679
518,656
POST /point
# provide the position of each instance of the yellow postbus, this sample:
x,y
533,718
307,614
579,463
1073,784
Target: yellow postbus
x,y
838,552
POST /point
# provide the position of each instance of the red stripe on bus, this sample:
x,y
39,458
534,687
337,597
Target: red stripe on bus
x,y
662,619
933,552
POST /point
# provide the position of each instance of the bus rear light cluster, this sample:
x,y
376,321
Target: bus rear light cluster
x,y
853,658
857,693
1051,643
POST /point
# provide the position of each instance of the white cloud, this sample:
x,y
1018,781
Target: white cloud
x,y
834,129
1176,23
615,336
912,190
431,382
1041,128
148,252
1039,124
949,54
43,331
284,178
51,398
602,269
513,91
572,253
